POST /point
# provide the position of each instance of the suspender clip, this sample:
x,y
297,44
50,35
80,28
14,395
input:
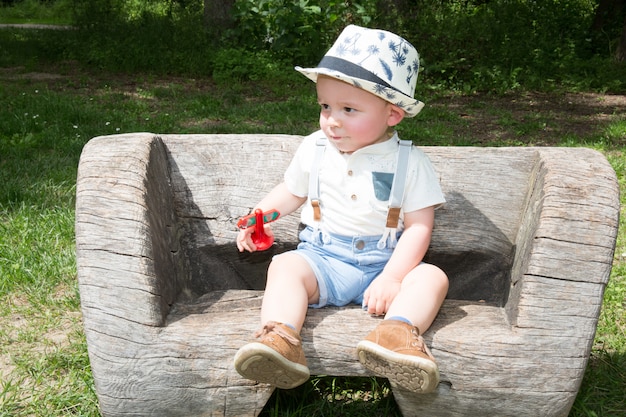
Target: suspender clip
x,y
393,217
317,212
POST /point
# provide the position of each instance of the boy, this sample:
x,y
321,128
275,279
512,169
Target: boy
x,y
368,225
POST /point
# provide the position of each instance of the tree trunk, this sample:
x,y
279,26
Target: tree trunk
x,y
608,18
603,14
620,55
218,14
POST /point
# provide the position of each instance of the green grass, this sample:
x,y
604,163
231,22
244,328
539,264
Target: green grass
x,y
50,110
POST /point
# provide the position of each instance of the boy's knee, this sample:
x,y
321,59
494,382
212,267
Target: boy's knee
x,y
288,261
292,267
442,276
435,275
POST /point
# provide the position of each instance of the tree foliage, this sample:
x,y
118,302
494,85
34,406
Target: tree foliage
x,y
464,44
299,30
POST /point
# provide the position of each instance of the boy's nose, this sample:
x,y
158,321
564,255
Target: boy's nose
x,y
334,121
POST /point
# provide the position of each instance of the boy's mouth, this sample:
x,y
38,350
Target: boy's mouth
x,y
334,137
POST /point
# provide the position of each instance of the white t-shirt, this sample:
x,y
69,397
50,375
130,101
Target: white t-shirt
x,y
354,189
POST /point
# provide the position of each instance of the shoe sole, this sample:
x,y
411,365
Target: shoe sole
x,y
413,373
261,363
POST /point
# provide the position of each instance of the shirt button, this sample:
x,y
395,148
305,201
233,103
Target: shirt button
x,y
359,244
350,172
353,197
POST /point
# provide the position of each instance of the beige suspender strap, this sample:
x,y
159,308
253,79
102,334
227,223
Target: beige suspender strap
x,y
389,238
398,184
314,183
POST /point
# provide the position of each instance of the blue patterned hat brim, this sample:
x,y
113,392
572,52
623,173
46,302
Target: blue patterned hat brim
x,y
367,81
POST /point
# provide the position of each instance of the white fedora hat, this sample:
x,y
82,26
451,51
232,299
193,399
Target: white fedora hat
x,y
376,61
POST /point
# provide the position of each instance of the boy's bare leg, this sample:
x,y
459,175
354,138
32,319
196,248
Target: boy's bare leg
x,y
396,349
277,357
421,295
291,286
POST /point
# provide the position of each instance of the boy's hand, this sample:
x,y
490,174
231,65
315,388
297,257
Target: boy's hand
x,y
244,238
380,294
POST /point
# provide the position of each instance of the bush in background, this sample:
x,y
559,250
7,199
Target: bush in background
x,y
44,12
497,45
299,31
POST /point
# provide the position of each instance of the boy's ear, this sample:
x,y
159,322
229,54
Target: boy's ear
x,y
396,114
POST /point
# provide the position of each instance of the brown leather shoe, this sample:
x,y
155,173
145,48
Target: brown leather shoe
x,y
396,351
277,358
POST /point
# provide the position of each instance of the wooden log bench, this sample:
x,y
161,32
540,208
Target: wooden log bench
x,y
527,238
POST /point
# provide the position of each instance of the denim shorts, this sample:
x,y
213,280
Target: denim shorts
x,y
344,266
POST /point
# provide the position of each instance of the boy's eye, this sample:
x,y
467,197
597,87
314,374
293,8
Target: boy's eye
x,y
324,106
348,109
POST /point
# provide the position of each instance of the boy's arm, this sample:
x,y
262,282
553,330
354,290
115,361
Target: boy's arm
x,y
281,199
413,244
409,252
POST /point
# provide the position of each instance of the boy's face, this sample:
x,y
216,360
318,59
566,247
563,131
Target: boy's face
x,y
352,118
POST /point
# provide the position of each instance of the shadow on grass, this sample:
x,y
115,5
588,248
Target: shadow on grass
x,y
325,396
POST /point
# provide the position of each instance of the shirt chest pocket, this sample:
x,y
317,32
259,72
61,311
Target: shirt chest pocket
x,y
382,181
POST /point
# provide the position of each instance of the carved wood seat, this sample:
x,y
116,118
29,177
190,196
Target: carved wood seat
x,y
527,238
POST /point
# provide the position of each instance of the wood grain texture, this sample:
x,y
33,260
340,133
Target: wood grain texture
x,y
527,238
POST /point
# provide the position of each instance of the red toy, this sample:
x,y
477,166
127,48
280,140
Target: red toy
x,y
259,238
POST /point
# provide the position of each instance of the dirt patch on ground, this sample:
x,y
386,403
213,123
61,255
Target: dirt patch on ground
x,y
35,26
534,118
6,73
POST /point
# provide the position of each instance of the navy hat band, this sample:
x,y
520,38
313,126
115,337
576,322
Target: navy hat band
x,y
352,70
